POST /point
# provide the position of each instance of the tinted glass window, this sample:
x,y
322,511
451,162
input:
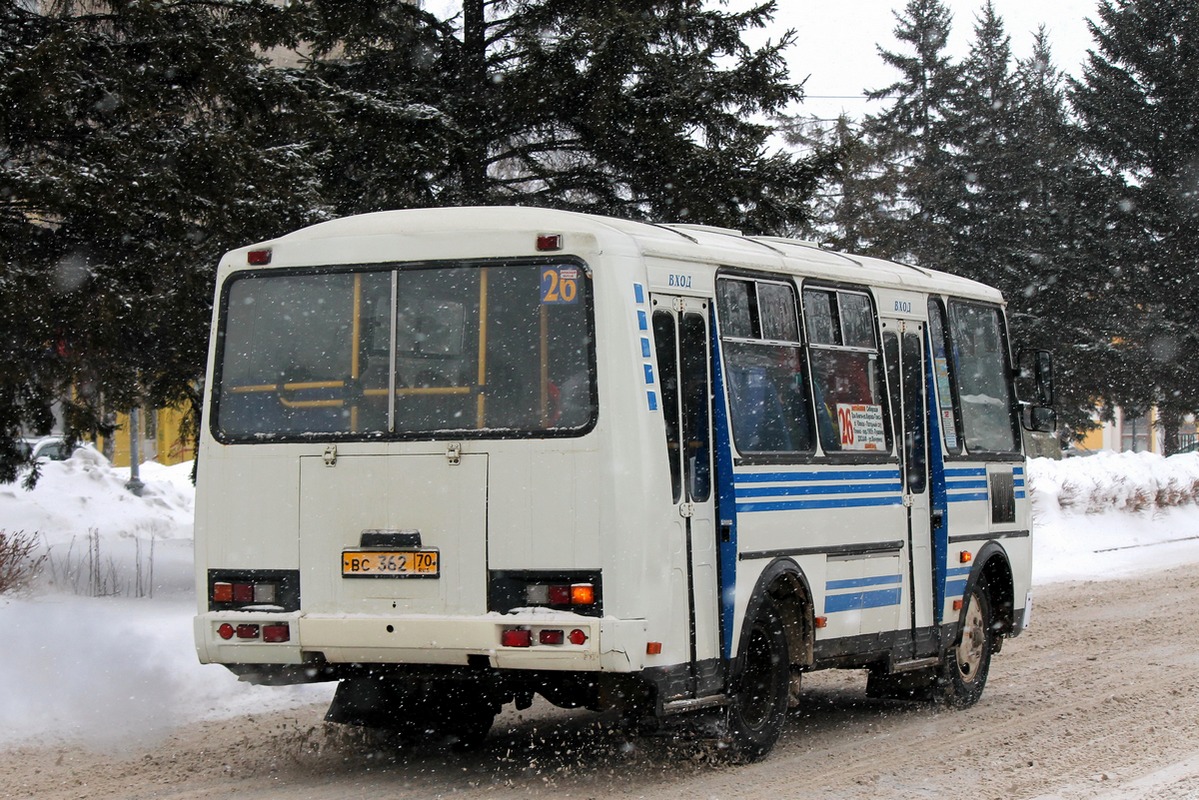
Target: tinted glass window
x,y
733,301
818,312
764,373
980,365
947,415
499,349
847,382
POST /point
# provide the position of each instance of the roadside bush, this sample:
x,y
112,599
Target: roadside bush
x,y
18,564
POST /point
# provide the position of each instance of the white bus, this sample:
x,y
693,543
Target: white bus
x,y
453,458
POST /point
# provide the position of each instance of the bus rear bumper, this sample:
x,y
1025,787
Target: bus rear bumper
x,y
540,641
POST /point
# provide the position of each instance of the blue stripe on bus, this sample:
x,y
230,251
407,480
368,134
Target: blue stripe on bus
x,y
855,583
726,503
800,505
837,488
955,588
965,472
957,572
839,475
966,498
959,484
856,601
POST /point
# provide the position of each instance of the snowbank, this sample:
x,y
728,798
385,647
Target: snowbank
x,y
71,665
1111,515
83,513
1116,482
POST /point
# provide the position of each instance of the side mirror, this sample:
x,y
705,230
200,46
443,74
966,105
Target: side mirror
x,y
1035,377
1040,419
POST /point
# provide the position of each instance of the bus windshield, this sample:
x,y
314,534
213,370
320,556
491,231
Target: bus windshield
x,y
455,349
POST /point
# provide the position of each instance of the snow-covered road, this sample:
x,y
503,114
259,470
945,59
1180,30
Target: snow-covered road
x,y
88,680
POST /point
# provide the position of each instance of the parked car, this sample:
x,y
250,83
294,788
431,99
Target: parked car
x,y
50,448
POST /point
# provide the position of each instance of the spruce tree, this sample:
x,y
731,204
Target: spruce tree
x,y
1136,102
843,206
984,152
137,143
915,188
1061,297
645,110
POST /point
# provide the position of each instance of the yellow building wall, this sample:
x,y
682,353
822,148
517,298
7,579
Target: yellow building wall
x,y
1093,441
168,446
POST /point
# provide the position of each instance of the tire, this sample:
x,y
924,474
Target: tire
x,y
758,702
968,662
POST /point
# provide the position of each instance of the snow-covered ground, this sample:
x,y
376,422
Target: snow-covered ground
x,y
83,668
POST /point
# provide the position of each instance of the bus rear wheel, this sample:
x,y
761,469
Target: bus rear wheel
x,y
758,703
967,664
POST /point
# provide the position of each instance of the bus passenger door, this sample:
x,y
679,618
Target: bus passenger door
x,y
903,350
682,342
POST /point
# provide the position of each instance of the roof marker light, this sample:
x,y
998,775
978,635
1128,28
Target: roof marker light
x,y
548,242
258,258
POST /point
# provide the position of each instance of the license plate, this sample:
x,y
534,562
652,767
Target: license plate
x,y
390,564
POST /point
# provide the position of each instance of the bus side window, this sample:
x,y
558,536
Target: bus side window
x,y
666,345
764,372
847,382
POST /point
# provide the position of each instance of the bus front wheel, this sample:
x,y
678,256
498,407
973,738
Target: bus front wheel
x,y
758,702
964,673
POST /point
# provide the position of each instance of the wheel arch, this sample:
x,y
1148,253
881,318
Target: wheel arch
x,y
784,583
994,570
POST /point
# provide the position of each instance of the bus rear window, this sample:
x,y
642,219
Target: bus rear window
x,y
460,349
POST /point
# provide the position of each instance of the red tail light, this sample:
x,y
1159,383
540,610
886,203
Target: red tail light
x,y
247,631
225,631
551,637
577,636
516,637
276,633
